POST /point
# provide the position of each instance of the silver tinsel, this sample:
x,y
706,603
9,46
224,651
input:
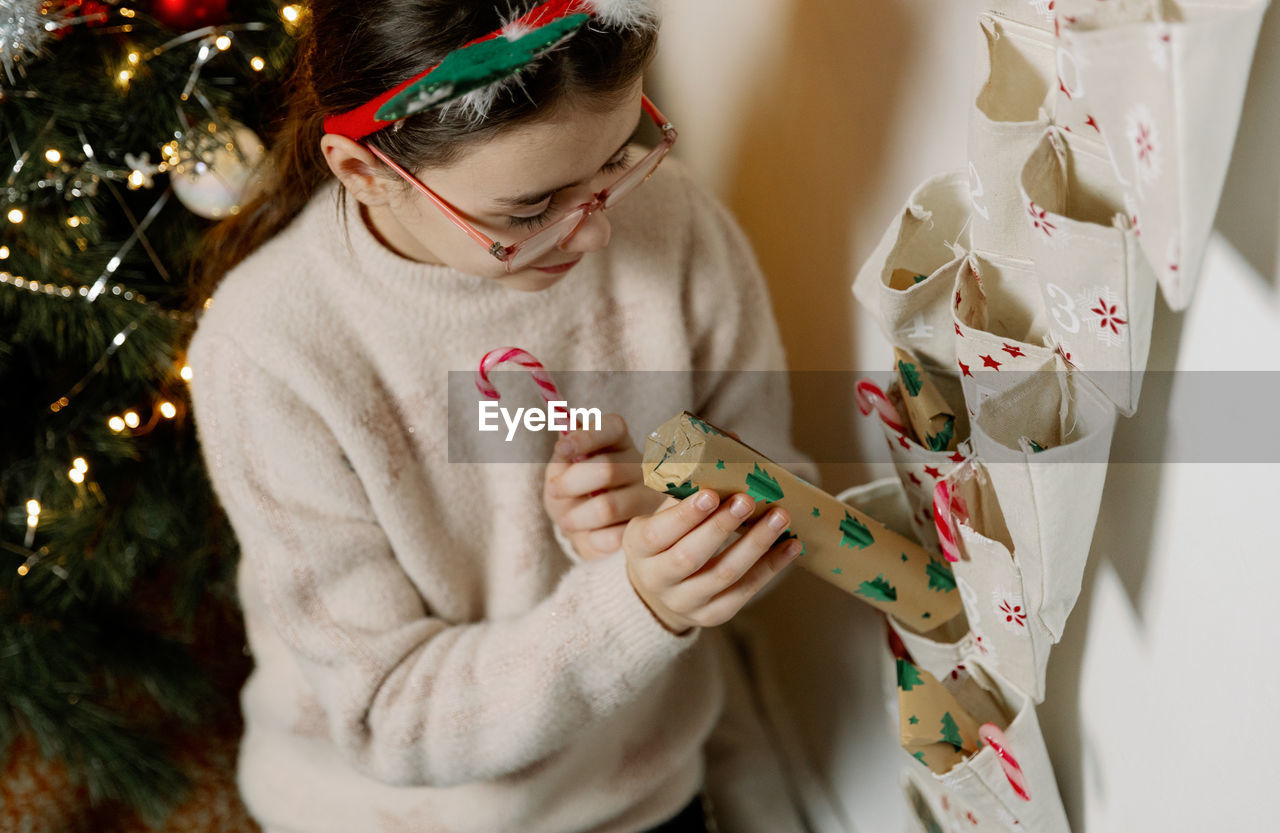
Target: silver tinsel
x,y
23,33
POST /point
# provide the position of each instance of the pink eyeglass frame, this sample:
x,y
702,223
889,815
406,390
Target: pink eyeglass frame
x,y
598,202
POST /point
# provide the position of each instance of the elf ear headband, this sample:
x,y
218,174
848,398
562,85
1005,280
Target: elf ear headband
x,y
485,63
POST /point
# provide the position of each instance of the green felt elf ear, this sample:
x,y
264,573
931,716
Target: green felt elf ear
x,y
479,65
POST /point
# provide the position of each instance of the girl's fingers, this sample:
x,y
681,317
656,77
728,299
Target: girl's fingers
x,y
725,606
603,471
608,539
647,536
729,567
608,508
696,548
612,435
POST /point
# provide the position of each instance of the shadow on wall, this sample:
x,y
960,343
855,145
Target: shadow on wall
x,y
813,144
1249,214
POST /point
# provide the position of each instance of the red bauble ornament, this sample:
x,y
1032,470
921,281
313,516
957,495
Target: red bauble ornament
x,y
189,14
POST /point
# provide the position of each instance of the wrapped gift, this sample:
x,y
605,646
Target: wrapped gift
x,y
842,545
935,729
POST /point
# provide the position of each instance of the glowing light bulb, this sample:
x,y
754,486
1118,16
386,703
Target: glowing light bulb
x,y
73,222
4,252
134,57
80,464
16,216
136,180
124,76
257,63
33,507
53,155
290,13
223,43
75,476
116,424
131,419
23,569
168,410
185,373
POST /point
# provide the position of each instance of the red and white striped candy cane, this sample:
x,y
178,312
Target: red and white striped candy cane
x,y
515,355
947,508
995,738
870,398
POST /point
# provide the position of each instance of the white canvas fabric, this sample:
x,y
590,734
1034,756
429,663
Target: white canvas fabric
x,y
1165,83
916,316
1098,289
977,795
1050,498
1000,325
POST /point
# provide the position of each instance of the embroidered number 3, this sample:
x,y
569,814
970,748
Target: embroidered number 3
x,y
1063,308
976,191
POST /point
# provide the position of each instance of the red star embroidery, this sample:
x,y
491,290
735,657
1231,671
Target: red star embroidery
x,y
957,326
1014,352
956,458
964,368
987,361
914,479
933,472
1090,121
1064,89
957,297
902,441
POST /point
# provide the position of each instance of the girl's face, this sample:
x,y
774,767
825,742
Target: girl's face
x,y
511,186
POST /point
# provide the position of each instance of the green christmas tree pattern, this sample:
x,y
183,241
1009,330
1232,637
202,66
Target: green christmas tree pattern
x,y
707,428
941,440
908,675
682,491
951,732
854,533
910,375
762,486
940,575
879,589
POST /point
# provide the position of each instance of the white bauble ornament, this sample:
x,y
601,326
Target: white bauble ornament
x,y
214,184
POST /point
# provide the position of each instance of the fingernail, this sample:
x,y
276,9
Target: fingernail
x,y
777,520
793,549
705,501
741,507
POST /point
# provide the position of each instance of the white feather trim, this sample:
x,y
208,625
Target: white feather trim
x,y
625,14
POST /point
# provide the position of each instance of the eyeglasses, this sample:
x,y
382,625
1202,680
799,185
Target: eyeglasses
x,y
519,255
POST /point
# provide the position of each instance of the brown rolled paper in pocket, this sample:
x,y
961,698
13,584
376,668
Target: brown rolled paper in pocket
x,y
842,545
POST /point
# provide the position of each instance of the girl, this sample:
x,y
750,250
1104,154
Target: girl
x,y
442,644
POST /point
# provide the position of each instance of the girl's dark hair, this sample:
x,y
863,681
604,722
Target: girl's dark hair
x,y
350,52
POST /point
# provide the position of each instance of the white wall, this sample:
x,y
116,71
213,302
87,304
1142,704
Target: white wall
x,y
814,119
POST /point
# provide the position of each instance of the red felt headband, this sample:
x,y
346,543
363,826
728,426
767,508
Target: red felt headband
x,y
358,123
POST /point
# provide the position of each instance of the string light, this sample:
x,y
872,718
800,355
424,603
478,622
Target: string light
x,y
73,221
116,424
134,57
131,419
185,373
290,13
127,13
168,410
257,63
4,252
23,569
53,155
16,216
80,464
75,476
223,43
33,507
124,77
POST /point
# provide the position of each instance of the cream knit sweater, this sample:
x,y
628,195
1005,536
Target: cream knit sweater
x,y
428,657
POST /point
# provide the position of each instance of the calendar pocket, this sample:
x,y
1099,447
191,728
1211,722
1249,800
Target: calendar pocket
x,y
1008,784
903,284
1098,289
1165,90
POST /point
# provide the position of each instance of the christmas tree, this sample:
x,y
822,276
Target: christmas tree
x,y
125,130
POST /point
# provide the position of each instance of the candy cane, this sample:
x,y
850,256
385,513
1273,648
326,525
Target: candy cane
x,y
942,520
995,738
870,398
526,360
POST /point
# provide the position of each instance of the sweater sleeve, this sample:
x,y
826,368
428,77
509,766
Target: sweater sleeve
x,y
744,385
410,699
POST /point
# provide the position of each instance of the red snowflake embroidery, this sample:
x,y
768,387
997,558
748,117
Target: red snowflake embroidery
x,y
1146,146
1013,614
1039,219
1107,316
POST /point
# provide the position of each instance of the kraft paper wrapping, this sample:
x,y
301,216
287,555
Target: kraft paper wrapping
x,y
850,549
931,418
935,729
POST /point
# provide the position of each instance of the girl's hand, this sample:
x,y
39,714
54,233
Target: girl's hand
x,y
673,565
594,485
